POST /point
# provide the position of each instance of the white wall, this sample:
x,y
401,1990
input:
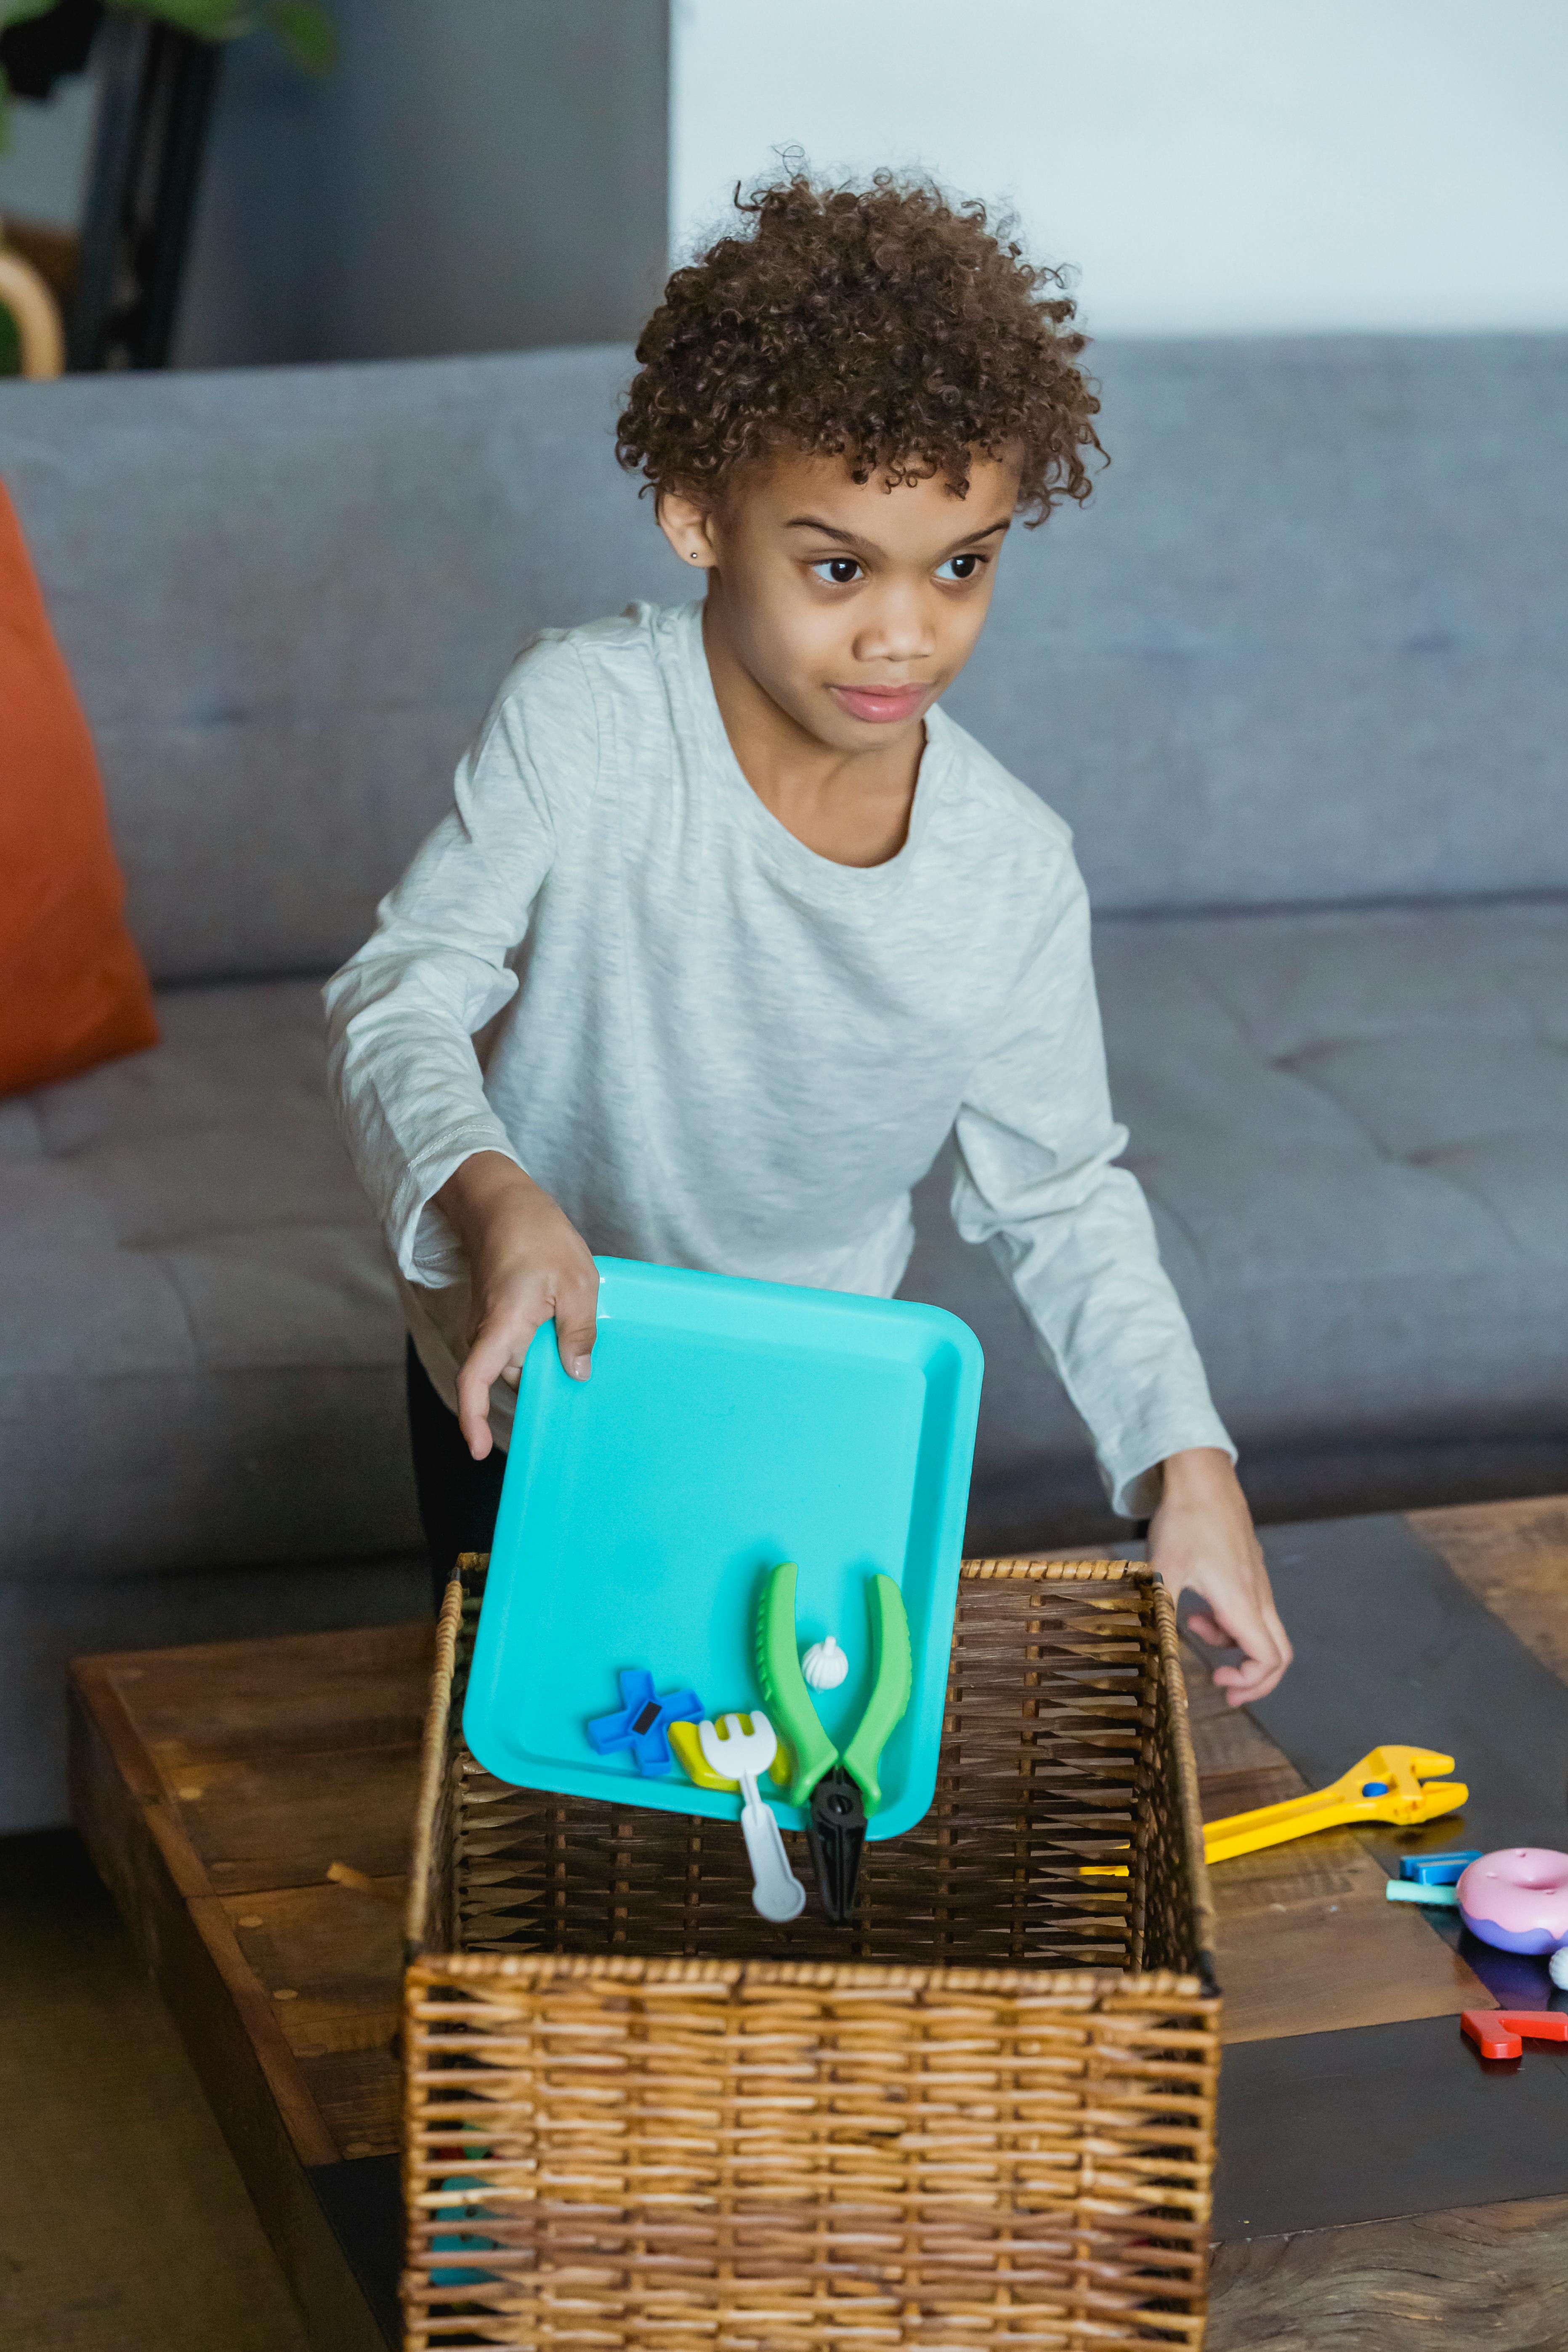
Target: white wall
x,y
1211,166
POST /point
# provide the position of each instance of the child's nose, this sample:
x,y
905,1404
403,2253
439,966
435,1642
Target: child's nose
x,y
897,629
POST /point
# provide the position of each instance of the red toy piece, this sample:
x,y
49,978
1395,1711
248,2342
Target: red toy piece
x,y
1503,2032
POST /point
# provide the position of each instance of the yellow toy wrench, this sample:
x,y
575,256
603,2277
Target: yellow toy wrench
x,y
1386,1786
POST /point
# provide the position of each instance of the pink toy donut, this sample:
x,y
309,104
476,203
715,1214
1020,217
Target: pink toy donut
x,y
1517,1898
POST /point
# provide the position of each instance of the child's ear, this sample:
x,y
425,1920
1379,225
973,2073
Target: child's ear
x,y
686,523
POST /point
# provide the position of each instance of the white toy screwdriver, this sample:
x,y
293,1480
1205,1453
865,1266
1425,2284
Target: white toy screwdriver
x,y
736,1754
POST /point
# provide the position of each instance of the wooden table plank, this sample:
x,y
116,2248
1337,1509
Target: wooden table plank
x,y
1309,1942
1514,1557
1480,2274
215,1836
1391,1644
1326,2130
265,1822
139,1846
285,1755
330,1959
1447,2281
364,1688
228,1750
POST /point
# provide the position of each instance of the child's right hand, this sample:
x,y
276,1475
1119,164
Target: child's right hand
x,y
527,1262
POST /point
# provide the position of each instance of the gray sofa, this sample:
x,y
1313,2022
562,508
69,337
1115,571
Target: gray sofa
x,y
1297,677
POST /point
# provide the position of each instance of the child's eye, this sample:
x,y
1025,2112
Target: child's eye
x,y
840,569
960,567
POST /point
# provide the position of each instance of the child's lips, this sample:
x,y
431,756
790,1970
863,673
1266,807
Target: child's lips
x,y
879,704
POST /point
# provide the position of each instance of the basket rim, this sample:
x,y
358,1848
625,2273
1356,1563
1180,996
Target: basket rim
x,y
1062,1987
1200,1984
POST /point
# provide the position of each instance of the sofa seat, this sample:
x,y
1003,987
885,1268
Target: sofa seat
x,y
1353,1129
201,1345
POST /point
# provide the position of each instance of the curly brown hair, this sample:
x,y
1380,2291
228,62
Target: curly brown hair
x,y
884,324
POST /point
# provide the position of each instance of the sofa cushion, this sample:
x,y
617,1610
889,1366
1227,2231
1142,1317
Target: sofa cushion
x,y
1353,1127
71,981
1304,643
201,1345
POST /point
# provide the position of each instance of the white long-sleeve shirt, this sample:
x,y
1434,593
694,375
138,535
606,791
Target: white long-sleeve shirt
x,y
717,1049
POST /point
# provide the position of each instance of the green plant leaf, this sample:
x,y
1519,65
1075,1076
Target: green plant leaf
x,y
306,32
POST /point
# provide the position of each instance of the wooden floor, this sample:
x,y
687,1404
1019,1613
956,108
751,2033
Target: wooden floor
x,y
217,1788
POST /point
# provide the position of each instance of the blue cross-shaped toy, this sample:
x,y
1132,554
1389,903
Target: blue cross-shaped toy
x,y
641,1723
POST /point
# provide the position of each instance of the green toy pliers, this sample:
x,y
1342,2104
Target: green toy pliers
x,y
841,1788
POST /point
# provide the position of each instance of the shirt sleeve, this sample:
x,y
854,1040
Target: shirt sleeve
x,y
403,1072
1072,1232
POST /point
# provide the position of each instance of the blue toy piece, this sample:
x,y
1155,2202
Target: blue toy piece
x,y
1435,1869
643,1723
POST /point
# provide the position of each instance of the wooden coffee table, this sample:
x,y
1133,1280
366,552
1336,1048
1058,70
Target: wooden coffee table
x,y
1375,2180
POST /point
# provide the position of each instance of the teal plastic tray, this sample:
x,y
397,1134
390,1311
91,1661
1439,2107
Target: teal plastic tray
x,y
727,1426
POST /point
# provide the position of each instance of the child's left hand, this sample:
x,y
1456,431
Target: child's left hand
x,y
1201,1536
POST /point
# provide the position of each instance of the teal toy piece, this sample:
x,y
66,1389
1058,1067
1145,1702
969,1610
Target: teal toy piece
x,y
463,2242
1411,1890
728,1426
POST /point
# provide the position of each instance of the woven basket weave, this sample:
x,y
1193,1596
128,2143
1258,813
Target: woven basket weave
x,y
640,2115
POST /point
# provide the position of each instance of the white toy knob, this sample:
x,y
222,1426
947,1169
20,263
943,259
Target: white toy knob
x,y
824,1665
1558,1964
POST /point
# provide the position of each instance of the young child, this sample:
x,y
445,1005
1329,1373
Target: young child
x,y
753,925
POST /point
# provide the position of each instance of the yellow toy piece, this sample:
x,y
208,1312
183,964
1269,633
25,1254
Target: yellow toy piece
x,y
1386,1786
683,1739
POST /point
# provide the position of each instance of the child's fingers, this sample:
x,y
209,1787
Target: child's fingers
x,y
1258,1634
577,1321
1245,1683
496,1344
1263,1664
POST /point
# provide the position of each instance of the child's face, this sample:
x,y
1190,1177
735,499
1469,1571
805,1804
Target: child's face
x,y
851,605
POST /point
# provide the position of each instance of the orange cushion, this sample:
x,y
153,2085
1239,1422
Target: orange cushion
x,y
73,987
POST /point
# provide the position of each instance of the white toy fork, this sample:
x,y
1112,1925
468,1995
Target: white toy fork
x,y
736,1754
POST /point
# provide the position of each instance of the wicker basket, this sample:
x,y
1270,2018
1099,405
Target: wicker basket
x,y
640,2115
